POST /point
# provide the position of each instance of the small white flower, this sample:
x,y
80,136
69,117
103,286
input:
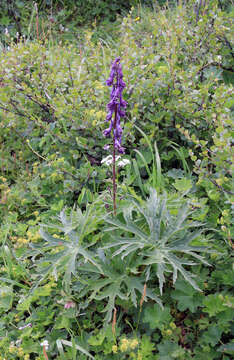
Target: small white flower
x,y
109,160
6,32
119,162
123,162
61,27
45,344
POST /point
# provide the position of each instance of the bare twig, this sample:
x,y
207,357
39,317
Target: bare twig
x,y
70,74
220,187
227,43
215,64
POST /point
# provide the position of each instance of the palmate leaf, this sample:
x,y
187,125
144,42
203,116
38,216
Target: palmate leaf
x,y
114,283
156,316
128,227
153,212
157,236
186,296
185,239
134,284
178,266
170,350
112,292
108,286
74,247
51,240
79,223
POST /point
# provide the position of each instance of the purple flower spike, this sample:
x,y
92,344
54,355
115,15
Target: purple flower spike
x,y
116,105
107,132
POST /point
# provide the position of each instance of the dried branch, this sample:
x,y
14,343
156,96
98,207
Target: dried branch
x,y
215,64
220,187
227,43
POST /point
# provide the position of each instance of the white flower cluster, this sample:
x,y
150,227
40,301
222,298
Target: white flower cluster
x,y
45,344
119,162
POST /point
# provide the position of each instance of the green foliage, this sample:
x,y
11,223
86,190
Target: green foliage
x,y
155,236
215,304
157,317
169,350
152,155
7,296
186,296
24,18
62,254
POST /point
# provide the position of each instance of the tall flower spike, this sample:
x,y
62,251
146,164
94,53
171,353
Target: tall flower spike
x,y
116,106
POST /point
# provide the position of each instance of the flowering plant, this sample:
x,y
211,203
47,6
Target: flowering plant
x,y
116,110
116,105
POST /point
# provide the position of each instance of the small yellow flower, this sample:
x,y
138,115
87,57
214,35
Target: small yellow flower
x,y
53,176
133,343
20,351
219,181
12,349
124,340
169,332
173,325
114,349
137,18
124,345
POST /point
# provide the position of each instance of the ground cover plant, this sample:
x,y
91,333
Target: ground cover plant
x,y
155,279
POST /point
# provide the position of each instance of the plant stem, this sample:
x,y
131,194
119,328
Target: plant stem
x,y
114,164
37,21
44,353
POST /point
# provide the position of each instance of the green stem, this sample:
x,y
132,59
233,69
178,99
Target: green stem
x,y
138,318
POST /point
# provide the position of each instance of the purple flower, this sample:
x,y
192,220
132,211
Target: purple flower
x,y
116,105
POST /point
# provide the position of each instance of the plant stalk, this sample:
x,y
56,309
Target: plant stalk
x,y
114,164
44,353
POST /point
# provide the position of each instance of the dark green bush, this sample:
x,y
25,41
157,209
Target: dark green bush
x,y
16,15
